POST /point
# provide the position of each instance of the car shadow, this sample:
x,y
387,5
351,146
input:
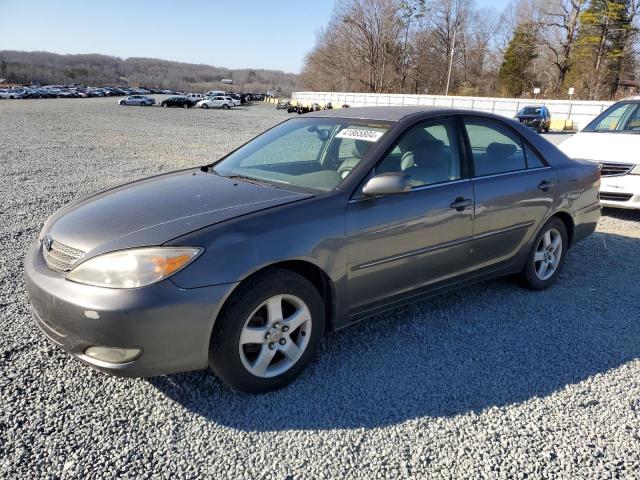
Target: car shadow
x,y
489,345
622,214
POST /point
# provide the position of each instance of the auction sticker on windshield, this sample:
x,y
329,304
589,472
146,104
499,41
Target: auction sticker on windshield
x,y
360,134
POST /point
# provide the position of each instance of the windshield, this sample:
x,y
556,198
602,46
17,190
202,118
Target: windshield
x,y
312,153
531,111
621,117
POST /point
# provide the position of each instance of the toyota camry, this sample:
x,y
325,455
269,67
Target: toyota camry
x,y
242,265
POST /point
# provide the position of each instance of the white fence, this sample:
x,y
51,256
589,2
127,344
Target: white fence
x,y
581,112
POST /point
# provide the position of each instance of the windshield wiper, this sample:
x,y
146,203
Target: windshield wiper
x,y
245,178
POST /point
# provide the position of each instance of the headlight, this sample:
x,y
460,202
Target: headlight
x,y
133,268
635,170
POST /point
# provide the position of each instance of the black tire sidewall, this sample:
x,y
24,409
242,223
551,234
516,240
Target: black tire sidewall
x,y
224,355
528,275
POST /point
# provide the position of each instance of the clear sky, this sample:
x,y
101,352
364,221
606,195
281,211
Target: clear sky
x,y
274,34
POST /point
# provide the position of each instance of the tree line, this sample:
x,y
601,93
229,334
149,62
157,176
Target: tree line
x,y
455,47
49,68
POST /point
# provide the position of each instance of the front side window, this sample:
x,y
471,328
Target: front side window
x,y
428,153
495,149
311,153
619,118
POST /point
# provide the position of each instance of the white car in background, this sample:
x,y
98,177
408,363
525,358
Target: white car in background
x,y
196,97
217,101
236,101
613,141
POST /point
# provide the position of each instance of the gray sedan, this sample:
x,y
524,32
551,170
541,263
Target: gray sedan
x,y
321,221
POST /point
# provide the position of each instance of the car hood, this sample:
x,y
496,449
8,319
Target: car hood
x,y
603,147
158,209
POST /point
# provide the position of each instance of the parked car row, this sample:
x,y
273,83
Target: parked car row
x,y
185,101
76,91
83,91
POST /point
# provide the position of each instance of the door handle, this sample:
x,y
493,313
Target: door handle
x,y
461,203
545,185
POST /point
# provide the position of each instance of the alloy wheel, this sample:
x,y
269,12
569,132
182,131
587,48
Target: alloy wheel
x,y
275,336
548,254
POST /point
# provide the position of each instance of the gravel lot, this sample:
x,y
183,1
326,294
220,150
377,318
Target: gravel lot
x,y
489,382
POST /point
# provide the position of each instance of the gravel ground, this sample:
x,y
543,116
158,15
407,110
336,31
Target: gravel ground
x,y
489,382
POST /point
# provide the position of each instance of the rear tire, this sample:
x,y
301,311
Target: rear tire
x,y
547,256
225,106
267,332
185,105
205,106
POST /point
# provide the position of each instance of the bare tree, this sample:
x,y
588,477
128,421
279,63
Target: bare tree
x,y
561,20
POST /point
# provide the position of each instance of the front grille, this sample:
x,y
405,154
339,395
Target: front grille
x,y
616,197
613,169
61,257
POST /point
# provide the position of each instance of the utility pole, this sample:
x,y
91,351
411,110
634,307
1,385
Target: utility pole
x,y
2,67
453,46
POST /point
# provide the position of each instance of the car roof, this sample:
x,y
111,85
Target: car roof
x,y
390,114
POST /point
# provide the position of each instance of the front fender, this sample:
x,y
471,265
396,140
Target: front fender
x,y
312,230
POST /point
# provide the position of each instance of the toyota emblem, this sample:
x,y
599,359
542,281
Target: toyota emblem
x,y
47,241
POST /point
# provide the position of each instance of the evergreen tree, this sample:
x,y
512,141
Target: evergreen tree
x,y
599,56
515,72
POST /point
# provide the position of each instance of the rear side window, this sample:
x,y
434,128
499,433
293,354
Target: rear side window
x,y
495,148
533,159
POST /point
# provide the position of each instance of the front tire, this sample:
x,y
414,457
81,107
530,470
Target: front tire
x,y
547,256
267,332
225,106
205,106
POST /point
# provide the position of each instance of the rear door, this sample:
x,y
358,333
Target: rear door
x,y
513,188
399,244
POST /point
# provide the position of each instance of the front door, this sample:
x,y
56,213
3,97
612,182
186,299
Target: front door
x,y
398,244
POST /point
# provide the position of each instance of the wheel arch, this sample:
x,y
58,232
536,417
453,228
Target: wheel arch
x,y
567,219
318,277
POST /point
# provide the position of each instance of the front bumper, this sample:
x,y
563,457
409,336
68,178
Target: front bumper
x,y
532,123
171,325
621,191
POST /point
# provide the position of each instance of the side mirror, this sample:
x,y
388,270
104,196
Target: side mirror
x,y
387,184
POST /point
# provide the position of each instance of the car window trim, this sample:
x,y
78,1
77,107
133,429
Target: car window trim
x,y
512,172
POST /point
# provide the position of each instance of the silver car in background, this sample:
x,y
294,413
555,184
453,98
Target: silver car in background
x,y
140,100
324,220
